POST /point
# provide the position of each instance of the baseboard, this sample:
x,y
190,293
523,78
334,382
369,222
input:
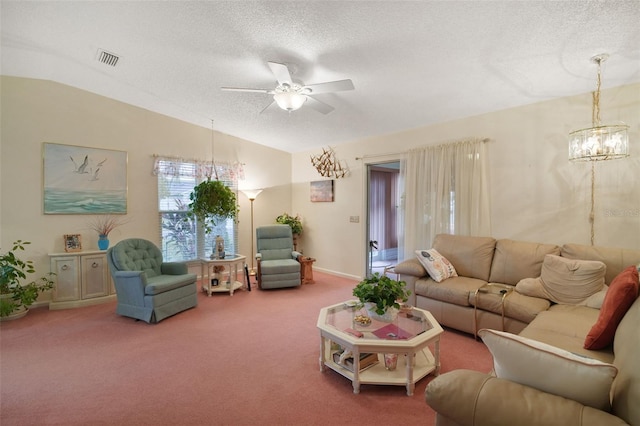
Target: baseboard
x,y
338,274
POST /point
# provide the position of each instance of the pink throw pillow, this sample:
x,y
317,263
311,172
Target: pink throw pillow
x,y
622,292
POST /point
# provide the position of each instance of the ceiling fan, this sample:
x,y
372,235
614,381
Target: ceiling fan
x,y
290,95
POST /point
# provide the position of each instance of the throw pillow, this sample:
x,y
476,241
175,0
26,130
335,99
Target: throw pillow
x,y
571,281
436,265
622,292
550,369
531,287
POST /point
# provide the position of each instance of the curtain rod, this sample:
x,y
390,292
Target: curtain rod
x,y
484,140
380,155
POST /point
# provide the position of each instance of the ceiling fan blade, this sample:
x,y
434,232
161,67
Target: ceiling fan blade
x,y
242,89
319,106
281,72
272,105
330,86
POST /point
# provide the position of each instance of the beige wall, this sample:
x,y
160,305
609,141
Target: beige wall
x,y
37,111
536,193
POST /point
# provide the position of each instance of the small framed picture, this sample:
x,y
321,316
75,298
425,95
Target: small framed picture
x,y
72,242
322,191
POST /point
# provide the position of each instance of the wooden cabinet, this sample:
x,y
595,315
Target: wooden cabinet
x,y
81,279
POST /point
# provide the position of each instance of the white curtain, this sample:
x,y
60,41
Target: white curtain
x,y
445,192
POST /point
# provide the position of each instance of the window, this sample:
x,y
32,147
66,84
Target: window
x,y
181,238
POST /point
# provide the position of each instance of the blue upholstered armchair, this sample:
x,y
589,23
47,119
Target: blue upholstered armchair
x,y
148,288
278,264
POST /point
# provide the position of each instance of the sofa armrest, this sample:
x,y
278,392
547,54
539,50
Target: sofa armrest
x,y
174,268
410,271
411,267
470,397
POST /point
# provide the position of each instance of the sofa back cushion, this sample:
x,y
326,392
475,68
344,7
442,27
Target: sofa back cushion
x,y
470,256
516,260
616,259
571,281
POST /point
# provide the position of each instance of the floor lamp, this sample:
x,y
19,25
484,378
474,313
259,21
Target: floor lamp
x,y
252,194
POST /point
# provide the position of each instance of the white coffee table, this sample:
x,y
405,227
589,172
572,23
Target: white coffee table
x,y
416,332
231,264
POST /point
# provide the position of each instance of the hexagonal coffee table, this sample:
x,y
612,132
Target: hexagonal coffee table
x,y
410,338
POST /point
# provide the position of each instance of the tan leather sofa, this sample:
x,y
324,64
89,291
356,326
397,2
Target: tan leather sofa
x,y
482,260
465,397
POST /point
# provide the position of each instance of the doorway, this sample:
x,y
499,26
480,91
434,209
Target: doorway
x,y
383,215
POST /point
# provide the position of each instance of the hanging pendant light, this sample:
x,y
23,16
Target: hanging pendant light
x,y
599,142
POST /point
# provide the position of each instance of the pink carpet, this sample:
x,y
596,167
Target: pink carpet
x,y
242,360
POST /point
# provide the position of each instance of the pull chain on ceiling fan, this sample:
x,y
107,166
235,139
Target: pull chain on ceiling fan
x,y
291,96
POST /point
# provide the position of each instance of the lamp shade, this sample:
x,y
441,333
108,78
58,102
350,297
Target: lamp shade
x,y
251,194
289,101
599,143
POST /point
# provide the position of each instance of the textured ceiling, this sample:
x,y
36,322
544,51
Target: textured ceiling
x,y
412,63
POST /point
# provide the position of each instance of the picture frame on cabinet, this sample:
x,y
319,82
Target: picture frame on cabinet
x,y
72,242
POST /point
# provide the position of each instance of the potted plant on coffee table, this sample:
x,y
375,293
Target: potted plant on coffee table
x,y
381,296
15,297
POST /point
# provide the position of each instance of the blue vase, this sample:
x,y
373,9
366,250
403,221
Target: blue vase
x,y
103,242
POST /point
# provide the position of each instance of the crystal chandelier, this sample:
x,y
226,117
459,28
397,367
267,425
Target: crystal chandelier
x,y
599,142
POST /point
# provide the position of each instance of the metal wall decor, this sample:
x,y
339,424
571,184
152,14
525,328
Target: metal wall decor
x,y
328,165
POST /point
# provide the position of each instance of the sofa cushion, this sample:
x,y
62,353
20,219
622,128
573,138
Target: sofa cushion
x,y
615,259
438,267
454,290
566,326
471,256
516,306
622,292
571,281
515,260
550,369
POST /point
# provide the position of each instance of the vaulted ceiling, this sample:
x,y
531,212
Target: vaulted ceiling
x,y
413,63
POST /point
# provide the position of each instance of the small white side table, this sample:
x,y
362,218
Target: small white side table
x,y
232,266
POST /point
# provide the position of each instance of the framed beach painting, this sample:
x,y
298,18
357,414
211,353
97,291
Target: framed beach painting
x,y
322,191
81,180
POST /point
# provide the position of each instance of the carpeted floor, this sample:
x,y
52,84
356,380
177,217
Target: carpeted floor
x,y
242,360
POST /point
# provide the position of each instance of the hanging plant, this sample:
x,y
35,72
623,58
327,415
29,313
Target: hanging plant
x,y
212,200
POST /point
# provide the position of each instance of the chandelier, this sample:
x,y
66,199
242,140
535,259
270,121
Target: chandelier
x,y
599,142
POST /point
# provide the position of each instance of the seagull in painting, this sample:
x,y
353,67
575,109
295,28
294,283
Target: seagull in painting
x,y
101,163
95,174
81,168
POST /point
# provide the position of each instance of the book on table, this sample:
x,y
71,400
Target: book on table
x,y
366,360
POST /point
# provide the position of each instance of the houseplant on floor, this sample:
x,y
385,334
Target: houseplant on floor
x,y
15,298
381,296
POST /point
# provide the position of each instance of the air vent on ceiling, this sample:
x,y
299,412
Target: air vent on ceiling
x,y
107,58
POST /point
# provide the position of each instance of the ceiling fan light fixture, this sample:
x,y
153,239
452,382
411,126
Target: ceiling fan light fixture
x,y
289,101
